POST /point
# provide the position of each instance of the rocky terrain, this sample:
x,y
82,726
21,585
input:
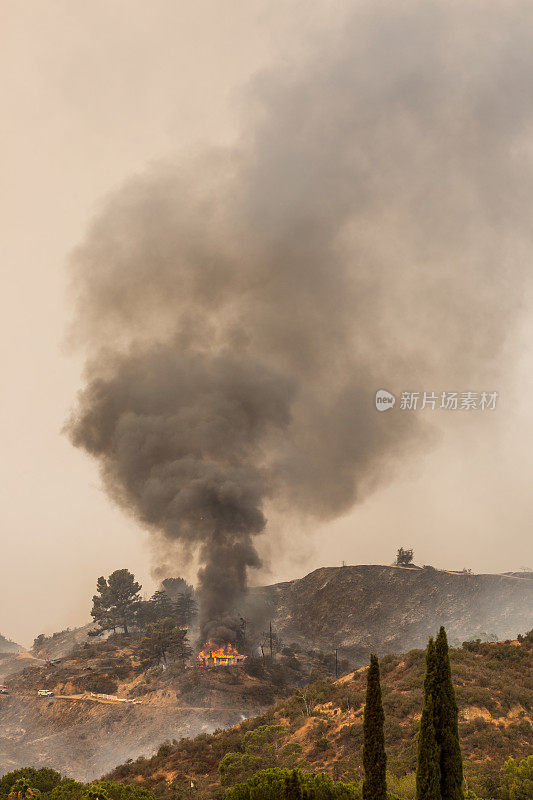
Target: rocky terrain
x,y
393,609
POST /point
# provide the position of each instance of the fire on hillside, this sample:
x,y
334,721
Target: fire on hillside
x,y
223,655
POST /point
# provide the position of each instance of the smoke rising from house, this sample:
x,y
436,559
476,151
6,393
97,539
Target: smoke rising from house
x,y
239,309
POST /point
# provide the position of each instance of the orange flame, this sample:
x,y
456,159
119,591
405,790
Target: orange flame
x,y
224,655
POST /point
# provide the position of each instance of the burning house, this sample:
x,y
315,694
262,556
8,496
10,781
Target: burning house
x,y
223,656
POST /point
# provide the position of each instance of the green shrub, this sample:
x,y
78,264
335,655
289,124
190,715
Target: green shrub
x,y
264,739
404,786
516,779
54,786
42,779
278,784
164,750
235,767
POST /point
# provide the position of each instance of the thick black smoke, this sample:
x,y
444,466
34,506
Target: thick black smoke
x,y
238,312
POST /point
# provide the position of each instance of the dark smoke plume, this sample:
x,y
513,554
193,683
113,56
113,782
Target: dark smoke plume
x,y
239,311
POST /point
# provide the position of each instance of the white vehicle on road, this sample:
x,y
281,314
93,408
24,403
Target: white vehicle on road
x,y
3,690
45,693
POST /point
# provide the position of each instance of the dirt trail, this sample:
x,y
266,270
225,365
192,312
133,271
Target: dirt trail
x,y
122,701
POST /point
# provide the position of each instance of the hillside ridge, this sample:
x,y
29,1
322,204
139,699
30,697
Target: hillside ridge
x,y
393,609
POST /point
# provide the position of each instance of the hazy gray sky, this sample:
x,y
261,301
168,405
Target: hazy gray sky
x,y
91,94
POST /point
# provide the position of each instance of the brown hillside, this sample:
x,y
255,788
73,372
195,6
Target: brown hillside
x,y
83,734
394,609
494,685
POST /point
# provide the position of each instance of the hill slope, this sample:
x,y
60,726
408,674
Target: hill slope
x,y
321,728
61,643
354,609
394,609
7,646
83,734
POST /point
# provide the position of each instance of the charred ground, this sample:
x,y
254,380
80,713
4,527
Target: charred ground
x,y
394,609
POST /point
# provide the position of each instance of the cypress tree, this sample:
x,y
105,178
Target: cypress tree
x,y
428,765
447,724
374,756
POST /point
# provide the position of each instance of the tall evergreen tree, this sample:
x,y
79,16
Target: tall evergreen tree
x,y
116,601
145,613
103,610
428,766
185,608
176,586
374,756
162,605
164,638
447,724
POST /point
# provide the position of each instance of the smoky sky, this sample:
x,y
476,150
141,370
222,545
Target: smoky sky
x,y
240,307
